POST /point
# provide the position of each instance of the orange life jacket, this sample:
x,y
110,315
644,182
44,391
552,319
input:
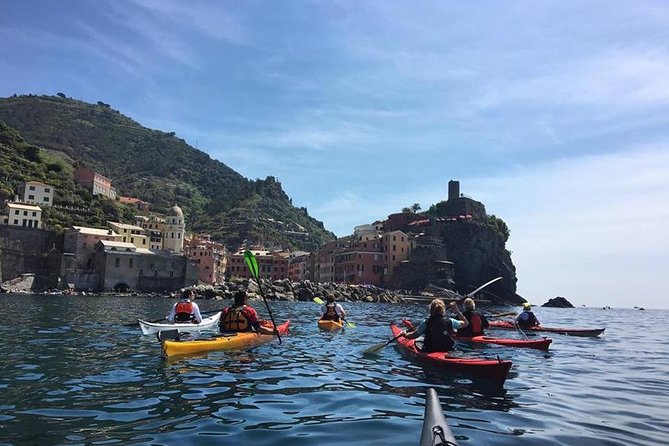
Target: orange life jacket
x,y
184,312
235,319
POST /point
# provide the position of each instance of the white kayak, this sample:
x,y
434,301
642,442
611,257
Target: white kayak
x,y
184,327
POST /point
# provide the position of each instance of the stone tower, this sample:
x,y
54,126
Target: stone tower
x,y
175,228
453,190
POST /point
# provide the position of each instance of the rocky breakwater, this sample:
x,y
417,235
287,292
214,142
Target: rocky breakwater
x,y
304,290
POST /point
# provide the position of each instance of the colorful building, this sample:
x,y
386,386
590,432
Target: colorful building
x,y
35,192
22,215
154,227
209,257
396,247
80,241
135,202
271,265
130,234
94,182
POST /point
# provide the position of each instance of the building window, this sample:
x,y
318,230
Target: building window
x,y
25,213
31,197
31,188
34,214
394,247
46,198
46,189
124,239
130,263
141,271
16,222
117,262
16,212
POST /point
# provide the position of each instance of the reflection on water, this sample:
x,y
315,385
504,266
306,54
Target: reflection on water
x,y
73,374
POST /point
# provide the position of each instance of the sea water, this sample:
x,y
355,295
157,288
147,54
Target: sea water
x,y
73,374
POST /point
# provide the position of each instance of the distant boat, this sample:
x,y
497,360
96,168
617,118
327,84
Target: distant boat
x,y
641,308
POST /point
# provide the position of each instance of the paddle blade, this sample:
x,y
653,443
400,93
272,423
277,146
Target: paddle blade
x,y
374,349
350,324
251,262
318,300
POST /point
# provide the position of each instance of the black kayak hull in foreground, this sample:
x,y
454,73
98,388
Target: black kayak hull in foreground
x,y
435,429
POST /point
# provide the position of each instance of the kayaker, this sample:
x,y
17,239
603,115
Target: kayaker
x,y
477,321
332,311
241,317
185,310
527,319
438,330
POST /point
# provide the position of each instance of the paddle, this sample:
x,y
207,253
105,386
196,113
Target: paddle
x,y
479,289
378,347
508,313
319,301
252,263
132,324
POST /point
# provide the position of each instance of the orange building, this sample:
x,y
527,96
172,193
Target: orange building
x,y
396,247
271,265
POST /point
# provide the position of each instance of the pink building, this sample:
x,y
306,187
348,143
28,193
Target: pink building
x,y
209,257
81,242
96,183
271,265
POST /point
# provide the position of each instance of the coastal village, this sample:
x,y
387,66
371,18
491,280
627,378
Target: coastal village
x,y
156,253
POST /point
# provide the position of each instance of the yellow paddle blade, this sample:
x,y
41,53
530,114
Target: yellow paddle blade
x,y
349,324
318,300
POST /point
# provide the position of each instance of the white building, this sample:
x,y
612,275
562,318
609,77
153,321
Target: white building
x,y
36,192
175,229
24,215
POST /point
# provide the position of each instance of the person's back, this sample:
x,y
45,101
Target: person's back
x,y
185,311
527,319
438,330
241,317
332,311
477,322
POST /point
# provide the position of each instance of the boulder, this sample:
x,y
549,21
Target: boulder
x,y
558,302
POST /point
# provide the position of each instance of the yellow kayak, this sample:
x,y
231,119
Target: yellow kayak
x,y
330,325
233,341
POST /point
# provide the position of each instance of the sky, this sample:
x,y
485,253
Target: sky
x,y
554,114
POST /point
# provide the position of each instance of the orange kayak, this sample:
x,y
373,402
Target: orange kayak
x,y
330,325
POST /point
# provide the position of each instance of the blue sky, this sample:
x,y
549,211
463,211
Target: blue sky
x,y
554,114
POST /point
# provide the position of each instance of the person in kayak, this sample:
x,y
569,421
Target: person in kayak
x,y
477,322
332,311
185,310
241,317
527,319
438,330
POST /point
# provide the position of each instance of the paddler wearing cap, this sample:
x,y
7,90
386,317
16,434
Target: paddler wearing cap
x,y
527,319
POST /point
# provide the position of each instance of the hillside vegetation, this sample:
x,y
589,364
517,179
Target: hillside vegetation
x,y
152,165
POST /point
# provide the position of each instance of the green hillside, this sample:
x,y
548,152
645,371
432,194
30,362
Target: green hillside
x,y
157,167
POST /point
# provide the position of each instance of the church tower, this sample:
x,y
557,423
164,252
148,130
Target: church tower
x,y
175,229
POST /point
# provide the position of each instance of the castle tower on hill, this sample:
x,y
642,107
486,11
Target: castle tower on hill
x,y
175,229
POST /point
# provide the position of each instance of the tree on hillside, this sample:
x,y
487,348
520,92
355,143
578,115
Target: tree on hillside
x,y
413,209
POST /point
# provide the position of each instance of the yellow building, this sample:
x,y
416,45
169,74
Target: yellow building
x,y
131,234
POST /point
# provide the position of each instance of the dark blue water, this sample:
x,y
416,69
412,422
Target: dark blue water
x,y
73,374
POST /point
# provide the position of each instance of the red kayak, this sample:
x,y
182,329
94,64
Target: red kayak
x,y
494,370
539,344
587,332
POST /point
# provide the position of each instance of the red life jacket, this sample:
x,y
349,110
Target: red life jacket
x,y
235,319
184,312
477,324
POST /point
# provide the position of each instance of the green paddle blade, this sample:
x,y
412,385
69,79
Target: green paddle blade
x,y
349,324
318,300
251,262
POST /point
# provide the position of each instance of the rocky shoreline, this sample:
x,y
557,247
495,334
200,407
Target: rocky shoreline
x,y
306,290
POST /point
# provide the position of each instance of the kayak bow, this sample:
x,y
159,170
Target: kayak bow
x,y
435,428
184,327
